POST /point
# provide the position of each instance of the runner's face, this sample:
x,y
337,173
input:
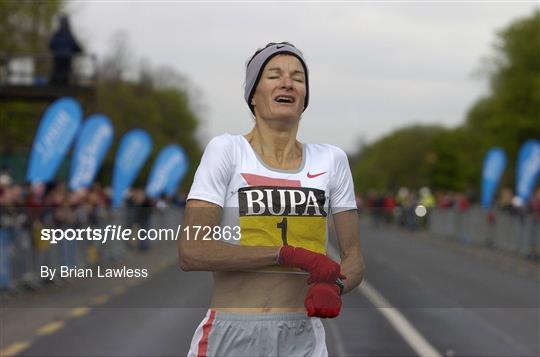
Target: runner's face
x,y
281,90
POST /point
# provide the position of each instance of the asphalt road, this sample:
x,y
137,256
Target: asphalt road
x,y
458,302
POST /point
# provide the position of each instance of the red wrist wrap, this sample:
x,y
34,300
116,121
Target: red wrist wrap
x,y
320,267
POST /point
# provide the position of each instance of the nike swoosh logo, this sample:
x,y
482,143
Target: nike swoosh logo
x,y
315,175
280,46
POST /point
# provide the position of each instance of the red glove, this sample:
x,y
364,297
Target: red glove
x,y
320,267
323,300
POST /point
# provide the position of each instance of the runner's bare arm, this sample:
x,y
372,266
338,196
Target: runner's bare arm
x,y
197,254
348,233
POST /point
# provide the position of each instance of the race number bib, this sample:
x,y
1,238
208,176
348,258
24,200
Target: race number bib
x,y
276,216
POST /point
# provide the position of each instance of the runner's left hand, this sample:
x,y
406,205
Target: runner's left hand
x,y
323,300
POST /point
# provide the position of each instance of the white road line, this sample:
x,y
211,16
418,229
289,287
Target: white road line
x,y
410,334
399,322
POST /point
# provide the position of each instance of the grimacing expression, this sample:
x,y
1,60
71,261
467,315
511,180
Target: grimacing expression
x,y
281,90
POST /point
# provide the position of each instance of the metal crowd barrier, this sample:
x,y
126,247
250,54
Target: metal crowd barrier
x,y
515,232
35,69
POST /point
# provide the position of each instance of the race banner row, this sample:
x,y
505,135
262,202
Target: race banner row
x,y
62,126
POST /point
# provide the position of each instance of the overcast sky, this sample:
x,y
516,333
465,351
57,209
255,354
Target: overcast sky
x,y
374,66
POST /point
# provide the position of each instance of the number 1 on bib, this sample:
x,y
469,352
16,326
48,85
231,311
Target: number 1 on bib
x,y
283,226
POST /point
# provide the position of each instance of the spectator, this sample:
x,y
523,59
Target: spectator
x,y
63,46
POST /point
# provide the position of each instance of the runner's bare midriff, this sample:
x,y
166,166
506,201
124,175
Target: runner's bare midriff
x,y
254,292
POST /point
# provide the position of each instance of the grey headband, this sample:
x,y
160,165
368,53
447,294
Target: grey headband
x,y
256,66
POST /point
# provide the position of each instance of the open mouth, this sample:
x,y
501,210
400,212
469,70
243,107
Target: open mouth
x,y
284,99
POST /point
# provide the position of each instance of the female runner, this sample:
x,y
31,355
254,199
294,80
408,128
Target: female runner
x,y
267,197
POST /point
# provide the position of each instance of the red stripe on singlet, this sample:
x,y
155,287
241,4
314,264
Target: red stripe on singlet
x,y
258,180
203,343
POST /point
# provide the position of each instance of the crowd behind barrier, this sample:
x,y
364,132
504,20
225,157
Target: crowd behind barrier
x,y
452,216
27,210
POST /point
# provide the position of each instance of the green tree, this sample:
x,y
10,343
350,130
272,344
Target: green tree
x,y
26,25
25,28
454,162
510,113
403,158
